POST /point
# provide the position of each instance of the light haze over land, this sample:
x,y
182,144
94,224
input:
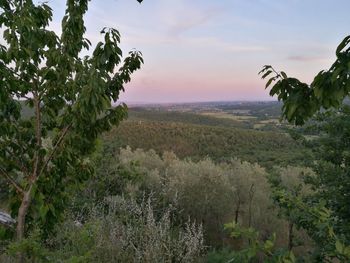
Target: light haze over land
x,y
206,50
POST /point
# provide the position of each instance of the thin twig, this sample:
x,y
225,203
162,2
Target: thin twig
x,y
19,162
277,74
37,134
55,148
11,180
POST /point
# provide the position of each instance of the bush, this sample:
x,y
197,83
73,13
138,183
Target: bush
x,y
205,191
123,230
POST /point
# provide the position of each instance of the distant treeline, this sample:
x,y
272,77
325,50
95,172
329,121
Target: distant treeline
x,y
199,141
163,115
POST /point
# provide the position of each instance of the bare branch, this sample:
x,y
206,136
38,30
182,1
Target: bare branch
x,y
37,133
18,162
11,180
55,148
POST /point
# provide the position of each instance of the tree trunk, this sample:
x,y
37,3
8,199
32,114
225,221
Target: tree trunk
x,y
22,212
237,211
290,236
251,196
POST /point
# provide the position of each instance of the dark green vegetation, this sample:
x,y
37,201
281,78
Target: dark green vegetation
x,y
323,213
180,133
164,114
208,182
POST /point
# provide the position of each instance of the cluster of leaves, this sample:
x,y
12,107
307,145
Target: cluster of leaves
x,y
328,89
304,208
316,219
318,203
256,248
333,160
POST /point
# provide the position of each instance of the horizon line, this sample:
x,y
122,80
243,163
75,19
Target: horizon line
x,y
194,102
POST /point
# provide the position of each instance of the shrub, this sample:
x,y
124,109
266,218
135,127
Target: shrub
x,y
124,230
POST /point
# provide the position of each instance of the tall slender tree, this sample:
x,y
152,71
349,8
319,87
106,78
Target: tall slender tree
x,y
69,99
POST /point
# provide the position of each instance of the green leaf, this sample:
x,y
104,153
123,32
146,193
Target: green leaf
x,y
284,75
268,245
266,74
342,45
339,246
269,82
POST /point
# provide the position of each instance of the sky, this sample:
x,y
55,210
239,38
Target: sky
x,y
212,50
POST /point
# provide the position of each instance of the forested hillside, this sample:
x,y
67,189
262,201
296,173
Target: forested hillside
x,y
199,141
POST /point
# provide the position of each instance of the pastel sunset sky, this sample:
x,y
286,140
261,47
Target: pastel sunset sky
x,y
210,50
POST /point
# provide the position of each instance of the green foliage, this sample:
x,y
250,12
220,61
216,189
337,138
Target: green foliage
x,y
71,99
31,248
323,213
164,115
218,256
114,209
117,229
332,182
123,230
198,190
328,89
199,141
312,216
318,202
257,249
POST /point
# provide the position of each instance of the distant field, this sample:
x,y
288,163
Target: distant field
x,y
311,137
275,121
241,111
263,123
225,115
259,125
211,116
163,115
262,116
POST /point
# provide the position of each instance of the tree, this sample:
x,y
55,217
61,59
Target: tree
x,y
324,214
328,89
332,166
69,98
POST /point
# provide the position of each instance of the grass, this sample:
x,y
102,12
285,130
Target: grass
x,y
225,115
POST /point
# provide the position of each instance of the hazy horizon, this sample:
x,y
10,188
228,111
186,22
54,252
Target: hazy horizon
x,y
199,102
